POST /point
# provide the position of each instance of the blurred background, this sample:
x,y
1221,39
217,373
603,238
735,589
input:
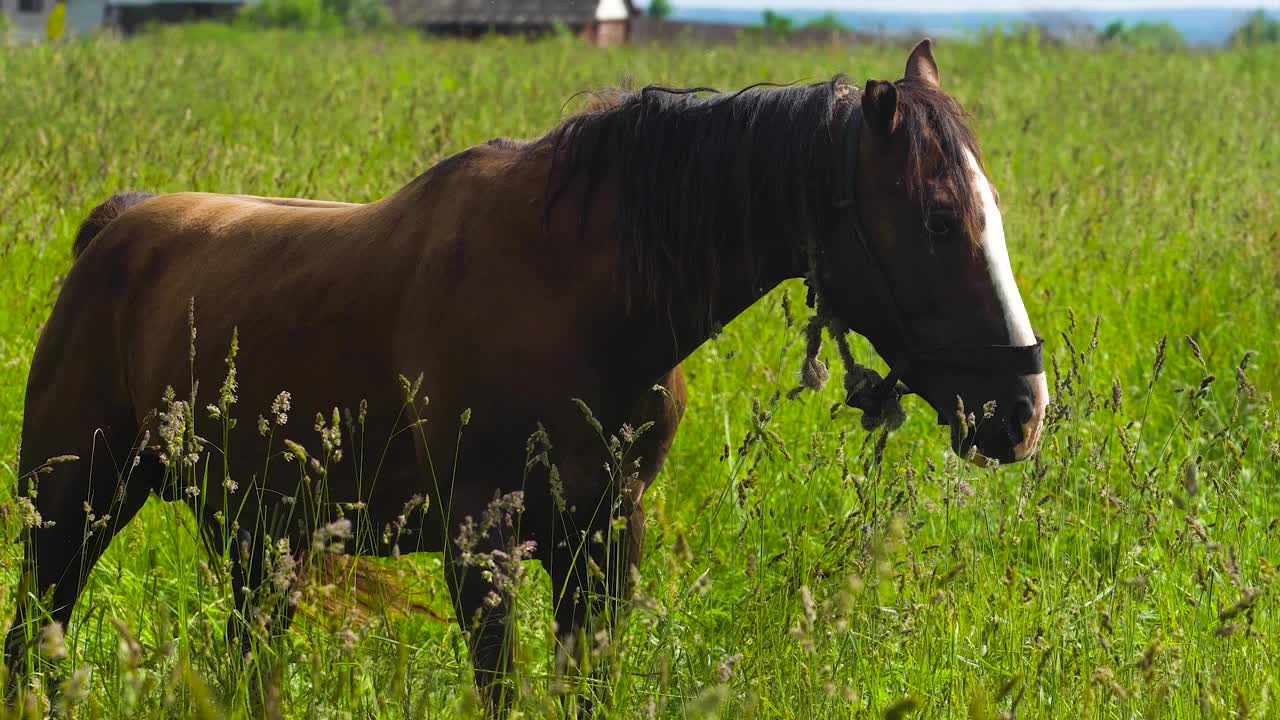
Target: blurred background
x,y
795,566
1161,23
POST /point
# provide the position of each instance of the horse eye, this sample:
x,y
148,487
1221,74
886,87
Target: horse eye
x,y
940,224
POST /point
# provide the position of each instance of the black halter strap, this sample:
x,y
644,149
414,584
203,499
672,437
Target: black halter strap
x,y
979,359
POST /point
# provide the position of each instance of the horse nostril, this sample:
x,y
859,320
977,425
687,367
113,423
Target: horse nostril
x,y
1019,417
1023,412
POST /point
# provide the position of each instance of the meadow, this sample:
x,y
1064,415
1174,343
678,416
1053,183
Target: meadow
x,y
807,571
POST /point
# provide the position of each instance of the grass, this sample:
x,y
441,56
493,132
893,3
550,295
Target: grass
x,y
1126,572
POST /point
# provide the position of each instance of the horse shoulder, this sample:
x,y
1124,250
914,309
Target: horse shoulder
x,y
473,224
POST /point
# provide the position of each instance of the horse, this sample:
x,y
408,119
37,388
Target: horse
x,y
541,296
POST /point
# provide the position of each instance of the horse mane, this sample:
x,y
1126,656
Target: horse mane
x,y
934,117
699,175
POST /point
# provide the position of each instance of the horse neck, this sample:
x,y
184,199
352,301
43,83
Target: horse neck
x,y
646,338
716,203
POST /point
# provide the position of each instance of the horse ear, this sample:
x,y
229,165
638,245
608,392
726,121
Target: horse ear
x,y
880,107
921,66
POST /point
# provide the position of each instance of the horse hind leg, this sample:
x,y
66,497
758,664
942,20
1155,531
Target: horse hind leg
x,y
263,577
77,489
72,507
482,566
484,614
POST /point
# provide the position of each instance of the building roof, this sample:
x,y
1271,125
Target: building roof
x,y
509,12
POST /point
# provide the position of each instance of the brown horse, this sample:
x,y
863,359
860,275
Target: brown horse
x,y
511,280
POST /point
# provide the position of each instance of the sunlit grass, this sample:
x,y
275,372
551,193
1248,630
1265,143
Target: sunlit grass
x,y
1103,579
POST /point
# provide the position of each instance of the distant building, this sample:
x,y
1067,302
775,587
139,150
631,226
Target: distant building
x,y
604,22
645,29
85,16
30,17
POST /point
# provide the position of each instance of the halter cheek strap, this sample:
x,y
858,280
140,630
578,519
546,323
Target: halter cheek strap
x,y
877,398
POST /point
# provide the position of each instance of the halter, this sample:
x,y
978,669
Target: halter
x,y
874,398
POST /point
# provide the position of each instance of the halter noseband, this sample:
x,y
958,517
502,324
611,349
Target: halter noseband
x,y
875,397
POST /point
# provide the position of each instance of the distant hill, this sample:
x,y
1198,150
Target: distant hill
x,y
1200,26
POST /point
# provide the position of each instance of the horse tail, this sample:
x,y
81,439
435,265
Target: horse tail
x,y
371,589
101,216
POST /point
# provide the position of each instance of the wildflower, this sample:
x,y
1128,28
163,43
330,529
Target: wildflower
x,y
1190,475
338,530
503,509
330,435
294,451
415,502
725,669
227,394
806,602
75,690
681,549
129,650
348,638
1246,602
503,567
803,630
1158,363
280,408
1147,661
29,516
177,431
703,583
589,416
1105,676
283,567
1227,629
1242,379
708,702
1195,350
53,644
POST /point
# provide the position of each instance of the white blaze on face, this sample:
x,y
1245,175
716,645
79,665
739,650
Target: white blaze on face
x,y
1010,300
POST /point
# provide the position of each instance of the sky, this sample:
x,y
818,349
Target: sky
x,y
961,5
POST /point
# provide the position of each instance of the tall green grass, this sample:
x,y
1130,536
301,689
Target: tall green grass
x,y
1126,572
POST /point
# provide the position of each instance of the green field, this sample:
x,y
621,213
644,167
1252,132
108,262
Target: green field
x,y
1126,572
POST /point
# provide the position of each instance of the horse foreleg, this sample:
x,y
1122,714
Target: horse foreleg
x,y
592,591
484,615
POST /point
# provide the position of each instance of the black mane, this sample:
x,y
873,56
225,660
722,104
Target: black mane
x,y
699,175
